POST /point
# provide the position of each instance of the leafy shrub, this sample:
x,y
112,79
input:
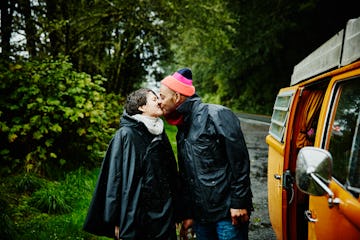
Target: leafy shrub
x,y
52,118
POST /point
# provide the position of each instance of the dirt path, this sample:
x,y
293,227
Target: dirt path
x,y
255,133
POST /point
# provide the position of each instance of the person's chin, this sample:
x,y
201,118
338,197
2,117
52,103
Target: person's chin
x,y
160,114
164,112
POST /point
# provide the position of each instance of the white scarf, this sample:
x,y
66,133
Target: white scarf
x,y
155,125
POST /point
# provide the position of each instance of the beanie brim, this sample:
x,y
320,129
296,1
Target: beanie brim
x,y
177,86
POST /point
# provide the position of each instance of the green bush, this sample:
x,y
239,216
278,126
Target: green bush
x,y
56,210
51,200
74,190
7,226
28,183
52,119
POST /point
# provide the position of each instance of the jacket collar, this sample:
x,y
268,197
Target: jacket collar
x,y
186,108
127,120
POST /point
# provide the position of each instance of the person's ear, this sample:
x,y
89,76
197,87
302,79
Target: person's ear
x,y
177,97
141,108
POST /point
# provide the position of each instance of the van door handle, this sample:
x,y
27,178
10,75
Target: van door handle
x,y
308,216
277,176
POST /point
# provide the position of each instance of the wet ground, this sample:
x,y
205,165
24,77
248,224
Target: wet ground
x,y
255,133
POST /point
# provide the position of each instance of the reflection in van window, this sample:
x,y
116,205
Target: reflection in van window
x,y
344,145
354,174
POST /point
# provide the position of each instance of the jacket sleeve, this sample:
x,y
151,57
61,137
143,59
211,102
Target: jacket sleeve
x,y
228,126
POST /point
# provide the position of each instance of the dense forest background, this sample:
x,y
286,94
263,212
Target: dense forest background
x,y
240,52
67,65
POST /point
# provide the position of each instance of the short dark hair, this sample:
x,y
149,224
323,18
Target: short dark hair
x,y
137,99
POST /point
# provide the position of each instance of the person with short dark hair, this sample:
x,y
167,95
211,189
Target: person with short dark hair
x,y
213,162
136,190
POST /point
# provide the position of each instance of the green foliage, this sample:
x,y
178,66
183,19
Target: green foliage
x,y
171,131
28,183
7,226
51,200
212,98
115,39
51,118
22,221
227,49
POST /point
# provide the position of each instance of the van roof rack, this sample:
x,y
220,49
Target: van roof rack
x,y
340,50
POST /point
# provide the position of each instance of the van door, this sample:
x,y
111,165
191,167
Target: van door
x,y
338,217
278,159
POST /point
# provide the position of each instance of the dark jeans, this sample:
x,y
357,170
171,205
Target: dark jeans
x,y
221,230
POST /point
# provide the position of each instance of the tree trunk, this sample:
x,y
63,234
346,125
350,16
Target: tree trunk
x,y
6,21
54,35
30,29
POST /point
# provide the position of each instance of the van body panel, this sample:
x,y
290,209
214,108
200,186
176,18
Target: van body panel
x,y
325,227
334,223
275,190
349,206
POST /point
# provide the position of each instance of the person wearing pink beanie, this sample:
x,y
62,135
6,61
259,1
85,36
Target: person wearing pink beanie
x,y
213,162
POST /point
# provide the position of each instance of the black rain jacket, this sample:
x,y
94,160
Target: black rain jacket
x,y
213,161
137,186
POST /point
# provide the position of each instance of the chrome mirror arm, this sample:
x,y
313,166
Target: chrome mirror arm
x,y
331,199
353,189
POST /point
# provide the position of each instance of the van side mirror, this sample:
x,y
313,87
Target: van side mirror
x,y
313,171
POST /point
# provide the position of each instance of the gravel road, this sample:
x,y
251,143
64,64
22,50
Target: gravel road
x,y
255,133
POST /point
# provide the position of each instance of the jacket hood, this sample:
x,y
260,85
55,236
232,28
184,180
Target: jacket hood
x,y
129,121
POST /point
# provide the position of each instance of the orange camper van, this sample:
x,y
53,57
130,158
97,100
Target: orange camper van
x,y
314,144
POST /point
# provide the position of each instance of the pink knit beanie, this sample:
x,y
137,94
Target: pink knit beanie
x,y
181,82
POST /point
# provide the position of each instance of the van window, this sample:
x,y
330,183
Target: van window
x,y
280,115
354,174
344,138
